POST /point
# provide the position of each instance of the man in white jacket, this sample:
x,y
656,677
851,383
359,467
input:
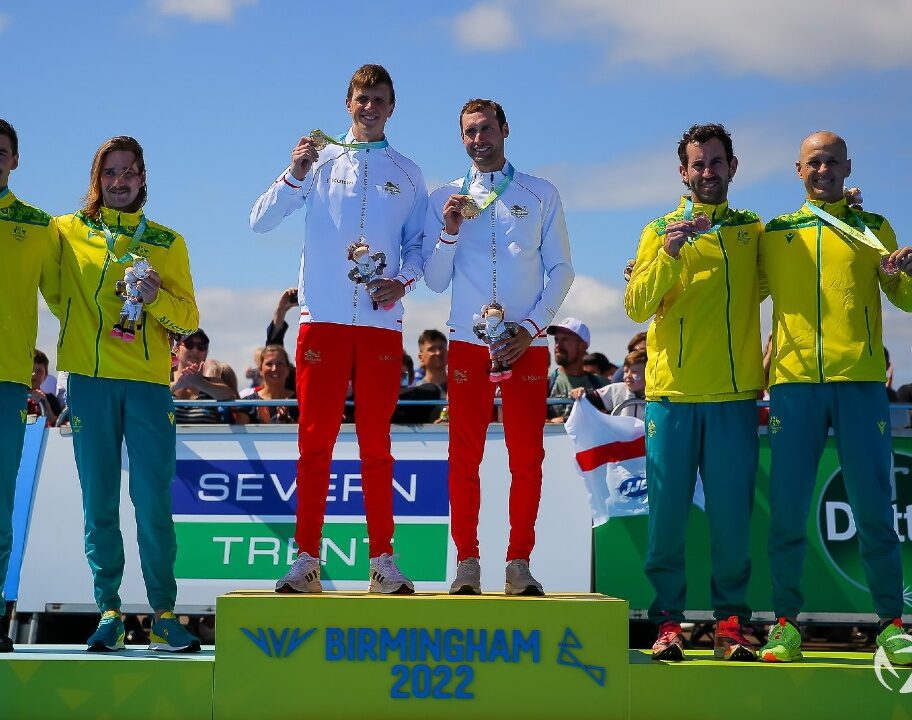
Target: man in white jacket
x,y
357,191
496,235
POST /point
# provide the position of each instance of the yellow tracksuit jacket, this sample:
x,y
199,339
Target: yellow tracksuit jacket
x,y
703,344
827,321
30,256
89,305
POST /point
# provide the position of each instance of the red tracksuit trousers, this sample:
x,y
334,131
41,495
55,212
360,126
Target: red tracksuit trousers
x,y
328,356
471,398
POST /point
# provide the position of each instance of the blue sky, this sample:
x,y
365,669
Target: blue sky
x,y
597,94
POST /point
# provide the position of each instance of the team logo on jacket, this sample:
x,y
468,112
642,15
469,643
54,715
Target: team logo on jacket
x,y
882,425
171,417
20,233
76,423
651,428
391,188
460,376
789,237
775,424
744,237
312,356
23,416
519,211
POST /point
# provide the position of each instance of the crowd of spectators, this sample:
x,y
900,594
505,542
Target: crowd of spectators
x,y
578,373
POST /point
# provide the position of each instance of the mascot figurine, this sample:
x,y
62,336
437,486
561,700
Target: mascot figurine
x,y
367,267
128,291
490,328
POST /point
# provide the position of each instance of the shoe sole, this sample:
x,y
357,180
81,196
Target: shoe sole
x,y
101,647
161,647
530,591
289,589
771,658
465,590
738,653
401,590
673,653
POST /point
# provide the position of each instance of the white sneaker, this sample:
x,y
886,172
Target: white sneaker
x,y
468,578
303,577
520,580
387,578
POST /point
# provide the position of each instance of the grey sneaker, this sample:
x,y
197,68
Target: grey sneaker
x,y
303,577
468,578
387,578
520,580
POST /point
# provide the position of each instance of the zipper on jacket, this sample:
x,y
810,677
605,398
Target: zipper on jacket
x,y
680,341
868,330
728,328
819,304
104,269
145,343
66,321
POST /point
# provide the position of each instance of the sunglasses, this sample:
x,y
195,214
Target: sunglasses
x,y
193,345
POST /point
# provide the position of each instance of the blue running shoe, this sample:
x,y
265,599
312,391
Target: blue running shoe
x,y
110,633
169,635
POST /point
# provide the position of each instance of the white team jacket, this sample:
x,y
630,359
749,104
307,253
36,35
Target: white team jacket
x,y
332,193
532,244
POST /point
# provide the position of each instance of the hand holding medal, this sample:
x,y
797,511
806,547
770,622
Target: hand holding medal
x,y
454,214
898,260
304,155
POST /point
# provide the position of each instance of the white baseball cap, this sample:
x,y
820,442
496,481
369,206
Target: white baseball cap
x,y
577,327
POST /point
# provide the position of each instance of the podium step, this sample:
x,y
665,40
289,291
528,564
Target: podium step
x,y
823,686
65,681
355,655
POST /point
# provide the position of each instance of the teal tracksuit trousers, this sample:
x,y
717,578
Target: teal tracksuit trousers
x,y
718,439
800,416
13,400
106,413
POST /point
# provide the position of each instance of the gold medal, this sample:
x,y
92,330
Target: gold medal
x,y
319,138
469,209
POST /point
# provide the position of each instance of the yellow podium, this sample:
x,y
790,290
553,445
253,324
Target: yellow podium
x,y
354,655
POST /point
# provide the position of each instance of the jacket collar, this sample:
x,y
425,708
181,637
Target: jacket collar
x,y
713,212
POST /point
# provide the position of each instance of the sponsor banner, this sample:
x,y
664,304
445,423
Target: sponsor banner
x,y
837,531
267,487
265,550
440,656
833,580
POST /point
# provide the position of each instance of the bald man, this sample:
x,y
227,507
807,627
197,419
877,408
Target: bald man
x,y
825,266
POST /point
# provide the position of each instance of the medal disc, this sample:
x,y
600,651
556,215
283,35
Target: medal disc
x,y
888,267
319,139
469,209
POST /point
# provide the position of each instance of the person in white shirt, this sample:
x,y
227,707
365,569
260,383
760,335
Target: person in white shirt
x,y
615,394
356,190
497,236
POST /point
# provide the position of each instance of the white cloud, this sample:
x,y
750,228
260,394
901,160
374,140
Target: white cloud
x,y
201,10
652,177
486,27
779,38
4,22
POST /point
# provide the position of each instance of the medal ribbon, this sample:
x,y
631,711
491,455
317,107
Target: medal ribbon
x,y
867,237
688,215
495,193
340,141
110,239
4,192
